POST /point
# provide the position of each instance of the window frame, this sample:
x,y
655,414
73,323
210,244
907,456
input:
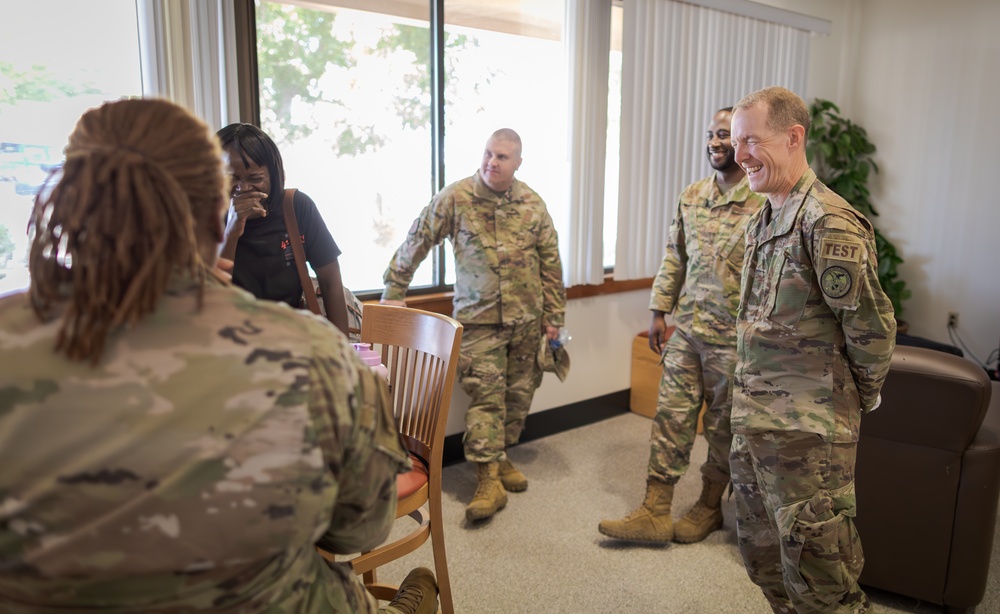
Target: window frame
x,y
437,296
248,93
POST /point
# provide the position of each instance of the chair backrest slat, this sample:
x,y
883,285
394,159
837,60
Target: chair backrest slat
x,y
420,350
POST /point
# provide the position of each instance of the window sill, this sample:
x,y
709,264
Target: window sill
x,y
440,302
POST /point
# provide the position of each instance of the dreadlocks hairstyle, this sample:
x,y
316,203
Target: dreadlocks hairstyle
x,y
141,179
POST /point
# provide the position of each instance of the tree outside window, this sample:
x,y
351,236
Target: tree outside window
x,y
346,94
46,83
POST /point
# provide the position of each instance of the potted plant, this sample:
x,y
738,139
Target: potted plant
x,y
841,155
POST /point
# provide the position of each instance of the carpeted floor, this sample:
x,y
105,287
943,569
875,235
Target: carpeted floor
x,y
542,553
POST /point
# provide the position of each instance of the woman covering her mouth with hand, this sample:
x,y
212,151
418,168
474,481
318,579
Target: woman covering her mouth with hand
x,y
256,239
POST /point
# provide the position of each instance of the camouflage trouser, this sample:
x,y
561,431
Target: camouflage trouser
x,y
498,370
693,372
795,528
356,597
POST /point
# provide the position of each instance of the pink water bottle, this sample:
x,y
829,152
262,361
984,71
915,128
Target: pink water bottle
x,y
371,358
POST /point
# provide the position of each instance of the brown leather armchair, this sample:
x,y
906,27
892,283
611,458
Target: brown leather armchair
x,y
928,479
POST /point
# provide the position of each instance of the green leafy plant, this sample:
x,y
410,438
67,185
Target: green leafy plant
x,y
841,155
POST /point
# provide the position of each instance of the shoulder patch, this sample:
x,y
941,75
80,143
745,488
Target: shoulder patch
x,y
836,281
843,248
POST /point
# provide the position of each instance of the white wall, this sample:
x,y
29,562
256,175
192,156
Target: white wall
x,y
600,353
927,90
921,77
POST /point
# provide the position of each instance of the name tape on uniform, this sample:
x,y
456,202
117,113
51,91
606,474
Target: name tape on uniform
x,y
835,249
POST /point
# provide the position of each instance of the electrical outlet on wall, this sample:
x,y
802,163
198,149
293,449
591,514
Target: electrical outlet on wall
x,y
952,319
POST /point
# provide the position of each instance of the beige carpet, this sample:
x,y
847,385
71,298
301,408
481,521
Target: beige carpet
x,y
542,553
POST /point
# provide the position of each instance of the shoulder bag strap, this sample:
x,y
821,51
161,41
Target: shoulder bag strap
x,y
292,226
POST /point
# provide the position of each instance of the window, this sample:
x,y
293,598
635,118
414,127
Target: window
x,y
345,91
345,94
52,70
508,70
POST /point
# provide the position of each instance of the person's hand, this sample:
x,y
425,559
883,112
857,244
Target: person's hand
x,y
393,302
552,332
245,206
224,268
658,333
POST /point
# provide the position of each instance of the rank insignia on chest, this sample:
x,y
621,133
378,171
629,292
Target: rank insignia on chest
x,y
836,281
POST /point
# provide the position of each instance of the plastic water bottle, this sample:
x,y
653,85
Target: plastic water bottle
x,y
563,339
371,358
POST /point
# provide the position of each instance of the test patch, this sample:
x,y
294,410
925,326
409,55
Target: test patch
x,y
839,249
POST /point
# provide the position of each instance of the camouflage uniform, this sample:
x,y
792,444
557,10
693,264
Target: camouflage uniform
x,y
508,285
699,282
815,334
195,466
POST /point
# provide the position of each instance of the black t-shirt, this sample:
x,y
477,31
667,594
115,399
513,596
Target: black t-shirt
x,y
264,264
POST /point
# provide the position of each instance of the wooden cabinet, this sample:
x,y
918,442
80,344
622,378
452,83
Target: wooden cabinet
x,y
646,374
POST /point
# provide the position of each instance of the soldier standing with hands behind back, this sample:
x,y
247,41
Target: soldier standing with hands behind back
x,y
699,283
815,333
508,292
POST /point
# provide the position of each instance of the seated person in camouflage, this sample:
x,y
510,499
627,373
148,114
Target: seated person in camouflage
x,y
508,292
815,334
167,442
699,283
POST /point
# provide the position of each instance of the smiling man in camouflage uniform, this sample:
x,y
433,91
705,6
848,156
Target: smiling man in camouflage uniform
x,y
815,333
508,292
699,283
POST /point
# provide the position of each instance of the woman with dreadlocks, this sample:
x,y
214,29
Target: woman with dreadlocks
x,y
167,442
256,239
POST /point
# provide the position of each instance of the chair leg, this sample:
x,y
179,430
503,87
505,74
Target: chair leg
x,y
440,559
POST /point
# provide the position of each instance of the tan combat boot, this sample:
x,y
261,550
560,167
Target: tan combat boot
x,y
416,595
512,478
490,495
704,517
650,522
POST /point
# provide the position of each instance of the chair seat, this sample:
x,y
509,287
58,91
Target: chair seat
x,y
413,480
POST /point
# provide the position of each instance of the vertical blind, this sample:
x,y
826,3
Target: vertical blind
x,y
187,53
680,64
588,49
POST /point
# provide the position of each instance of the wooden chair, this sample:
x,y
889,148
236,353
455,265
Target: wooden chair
x,y
420,350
